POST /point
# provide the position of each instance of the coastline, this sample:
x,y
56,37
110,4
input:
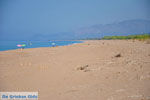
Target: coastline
x,y
46,44
91,70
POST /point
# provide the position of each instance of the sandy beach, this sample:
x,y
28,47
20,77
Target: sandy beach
x,y
93,70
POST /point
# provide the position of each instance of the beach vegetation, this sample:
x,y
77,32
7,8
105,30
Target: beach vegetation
x,y
138,37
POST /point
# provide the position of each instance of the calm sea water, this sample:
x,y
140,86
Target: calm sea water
x,y
10,45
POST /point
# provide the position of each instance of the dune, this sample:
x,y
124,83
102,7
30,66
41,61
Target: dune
x,y
93,70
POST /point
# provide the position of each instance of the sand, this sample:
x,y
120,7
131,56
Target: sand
x,y
93,70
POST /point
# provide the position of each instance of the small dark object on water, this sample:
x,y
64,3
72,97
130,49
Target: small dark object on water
x,y
118,55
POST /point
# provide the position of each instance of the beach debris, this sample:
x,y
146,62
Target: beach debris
x,y
148,98
110,98
133,40
118,55
148,42
87,70
21,64
135,96
71,91
83,68
120,90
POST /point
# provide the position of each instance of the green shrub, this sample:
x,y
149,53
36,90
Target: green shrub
x,y
139,37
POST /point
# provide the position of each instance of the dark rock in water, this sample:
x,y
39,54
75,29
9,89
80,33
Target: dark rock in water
x,y
118,55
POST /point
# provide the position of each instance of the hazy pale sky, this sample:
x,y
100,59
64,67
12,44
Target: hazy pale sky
x,y
52,16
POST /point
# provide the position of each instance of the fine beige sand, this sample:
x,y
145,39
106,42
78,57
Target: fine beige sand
x,y
93,70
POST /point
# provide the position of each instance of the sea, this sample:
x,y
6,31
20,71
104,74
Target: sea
x,y
12,45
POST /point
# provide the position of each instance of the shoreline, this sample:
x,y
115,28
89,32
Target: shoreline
x,y
45,47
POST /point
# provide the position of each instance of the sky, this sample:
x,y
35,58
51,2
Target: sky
x,y
28,17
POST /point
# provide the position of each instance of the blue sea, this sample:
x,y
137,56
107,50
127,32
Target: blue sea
x,y
11,45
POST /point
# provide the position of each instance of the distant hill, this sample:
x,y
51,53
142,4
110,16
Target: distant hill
x,y
127,27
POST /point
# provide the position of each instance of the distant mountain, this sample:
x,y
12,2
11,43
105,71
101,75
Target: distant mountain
x,y
122,28
128,27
